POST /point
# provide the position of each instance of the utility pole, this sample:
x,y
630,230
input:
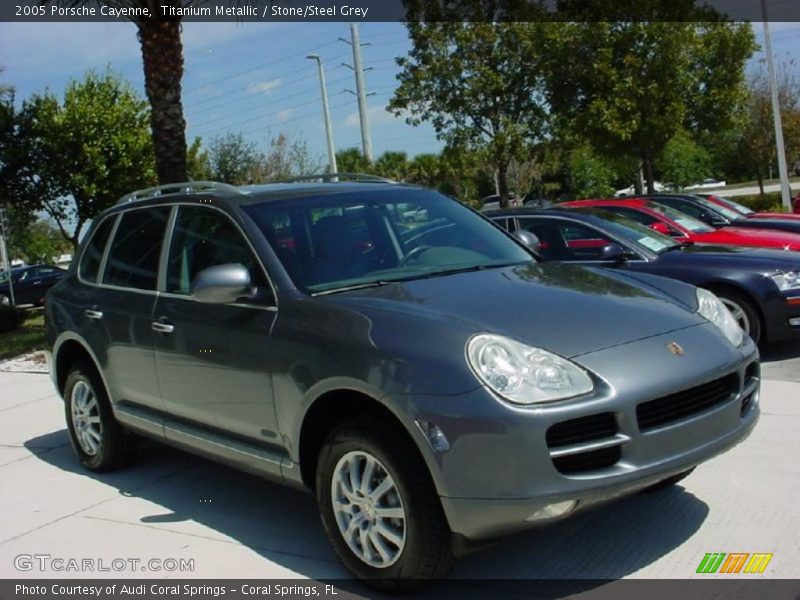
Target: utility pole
x,y
4,255
361,93
326,114
783,172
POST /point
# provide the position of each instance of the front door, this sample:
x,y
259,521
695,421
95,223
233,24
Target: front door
x,y
213,359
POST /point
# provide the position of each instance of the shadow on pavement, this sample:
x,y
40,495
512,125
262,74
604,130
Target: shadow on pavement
x,y
283,526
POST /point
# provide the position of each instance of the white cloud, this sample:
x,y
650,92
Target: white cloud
x,y
285,115
264,87
377,116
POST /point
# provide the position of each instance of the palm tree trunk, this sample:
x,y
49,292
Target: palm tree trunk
x,y
162,54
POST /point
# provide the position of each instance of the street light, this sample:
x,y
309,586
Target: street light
x,y
326,114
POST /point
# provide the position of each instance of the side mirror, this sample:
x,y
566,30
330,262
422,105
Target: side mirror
x,y
530,240
222,284
660,228
613,253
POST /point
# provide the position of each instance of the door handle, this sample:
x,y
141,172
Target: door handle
x,y
93,314
161,327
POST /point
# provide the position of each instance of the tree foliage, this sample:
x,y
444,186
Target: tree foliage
x,y
591,175
684,161
38,242
479,84
75,157
629,87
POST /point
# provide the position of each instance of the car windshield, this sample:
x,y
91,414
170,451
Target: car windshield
x,y
630,231
681,218
350,240
735,205
728,213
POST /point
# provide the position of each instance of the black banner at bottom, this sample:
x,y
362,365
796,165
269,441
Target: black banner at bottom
x,y
343,589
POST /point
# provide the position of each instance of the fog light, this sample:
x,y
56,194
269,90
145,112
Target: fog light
x,y
551,511
794,321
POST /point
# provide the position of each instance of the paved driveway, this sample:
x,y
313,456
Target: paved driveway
x,y
171,505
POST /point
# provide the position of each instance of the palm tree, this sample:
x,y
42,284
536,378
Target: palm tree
x,y
162,58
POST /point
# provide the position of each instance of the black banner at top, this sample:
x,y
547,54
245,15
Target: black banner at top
x,y
397,10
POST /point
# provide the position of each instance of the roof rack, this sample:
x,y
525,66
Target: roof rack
x,y
186,187
336,177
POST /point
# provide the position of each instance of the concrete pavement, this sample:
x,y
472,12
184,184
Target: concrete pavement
x,y
171,505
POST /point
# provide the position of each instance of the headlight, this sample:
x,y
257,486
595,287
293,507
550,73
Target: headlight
x,y
711,308
524,375
787,281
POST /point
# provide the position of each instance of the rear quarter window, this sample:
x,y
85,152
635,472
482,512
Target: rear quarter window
x,y
93,255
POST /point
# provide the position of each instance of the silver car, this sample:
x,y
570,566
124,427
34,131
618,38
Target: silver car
x,y
429,381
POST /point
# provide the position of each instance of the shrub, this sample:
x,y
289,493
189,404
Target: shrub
x,y
11,318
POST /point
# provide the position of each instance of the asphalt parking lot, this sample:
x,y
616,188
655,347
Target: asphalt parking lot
x,y
171,505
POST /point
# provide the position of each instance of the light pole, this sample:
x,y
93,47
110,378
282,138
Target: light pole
x,y
4,257
326,113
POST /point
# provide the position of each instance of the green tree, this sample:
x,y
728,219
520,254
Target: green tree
x,y
591,175
393,165
78,156
479,84
38,242
350,160
197,161
629,87
683,161
234,160
756,146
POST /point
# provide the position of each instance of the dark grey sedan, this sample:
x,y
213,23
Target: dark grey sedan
x,y
428,380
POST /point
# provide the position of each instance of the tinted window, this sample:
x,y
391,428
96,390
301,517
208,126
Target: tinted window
x,y
136,249
564,240
90,262
205,238
333,242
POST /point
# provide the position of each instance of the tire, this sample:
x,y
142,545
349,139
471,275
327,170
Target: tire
x,y
88,410
669,481
744,312
418,545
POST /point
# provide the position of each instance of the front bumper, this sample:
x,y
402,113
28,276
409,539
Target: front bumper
x,y
499,466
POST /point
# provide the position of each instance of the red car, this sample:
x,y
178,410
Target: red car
x,y
687,229
744,211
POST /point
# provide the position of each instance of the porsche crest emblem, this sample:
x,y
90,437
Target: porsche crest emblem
x,y
675,348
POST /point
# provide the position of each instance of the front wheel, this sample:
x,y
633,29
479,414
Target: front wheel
x,y
380,509
100,442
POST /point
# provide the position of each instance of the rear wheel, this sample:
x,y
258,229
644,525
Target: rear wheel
x,y
380,509
744,312
100,442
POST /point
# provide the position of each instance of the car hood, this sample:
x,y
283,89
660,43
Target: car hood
x,y
769,215
565,309
740,256
770,238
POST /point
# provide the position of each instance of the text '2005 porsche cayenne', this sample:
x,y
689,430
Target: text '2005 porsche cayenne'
x,y
428,380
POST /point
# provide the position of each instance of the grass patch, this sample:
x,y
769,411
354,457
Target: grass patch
x,y
767,203
25,339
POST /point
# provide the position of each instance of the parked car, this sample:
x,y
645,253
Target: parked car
x,y
761,288
706,184
631,190
29,283
783,221
435,387
718,215
687,229
493,202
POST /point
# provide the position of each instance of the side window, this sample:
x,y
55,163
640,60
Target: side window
x,y
90,261
136,249
205,238
561,240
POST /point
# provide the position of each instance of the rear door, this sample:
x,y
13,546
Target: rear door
x,y
118,311
214,359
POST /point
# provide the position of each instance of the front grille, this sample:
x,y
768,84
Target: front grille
x,y
681,405
582,429
588,461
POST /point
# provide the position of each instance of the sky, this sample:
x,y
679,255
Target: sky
x,y
254,77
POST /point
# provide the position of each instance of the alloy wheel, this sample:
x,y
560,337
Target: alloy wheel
x,y
86,418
